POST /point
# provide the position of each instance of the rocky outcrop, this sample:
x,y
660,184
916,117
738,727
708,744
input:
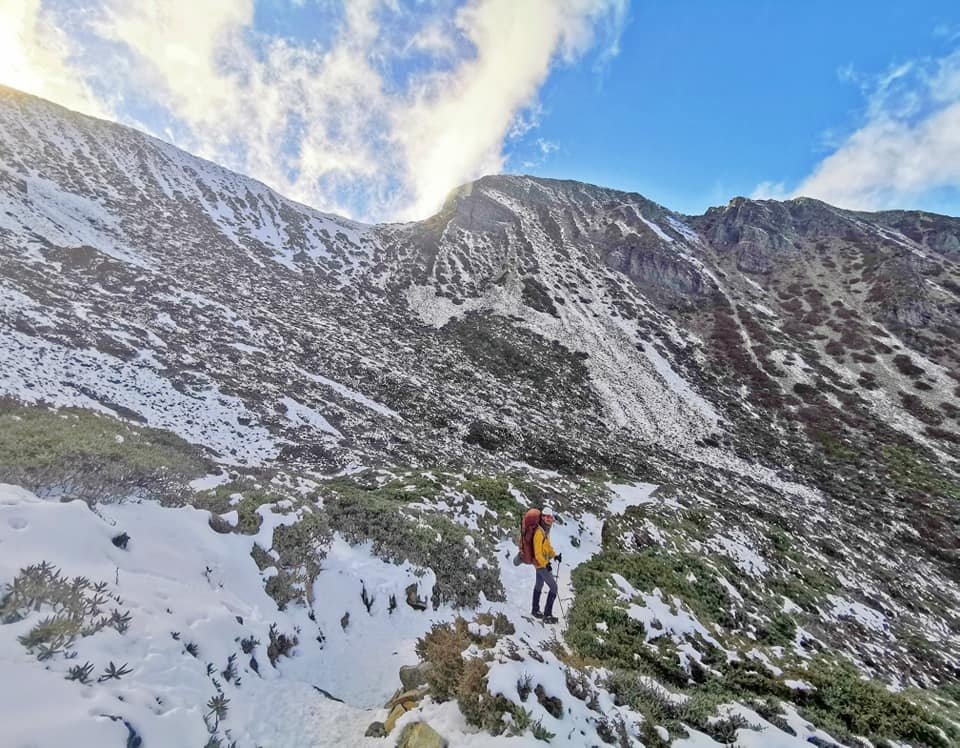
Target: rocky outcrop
x,y
420,735
414,676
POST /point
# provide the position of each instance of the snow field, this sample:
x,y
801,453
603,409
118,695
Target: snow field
x,y
177,575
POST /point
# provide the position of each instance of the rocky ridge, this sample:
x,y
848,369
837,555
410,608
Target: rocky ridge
x,y
787,372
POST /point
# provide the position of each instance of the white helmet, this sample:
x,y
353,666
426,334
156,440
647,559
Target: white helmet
x,y
546,511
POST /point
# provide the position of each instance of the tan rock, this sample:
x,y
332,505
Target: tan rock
x,y
396,713
401,697
420,735
396,694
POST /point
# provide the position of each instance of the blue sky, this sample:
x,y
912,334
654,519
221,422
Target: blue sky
x,y
377,108
708,100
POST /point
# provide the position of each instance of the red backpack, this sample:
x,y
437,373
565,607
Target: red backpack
x,y
528,526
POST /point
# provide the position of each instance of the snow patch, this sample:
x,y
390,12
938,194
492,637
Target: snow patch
x,y
176,576
737,547
627,496
302,415
867,616
350,394
32,369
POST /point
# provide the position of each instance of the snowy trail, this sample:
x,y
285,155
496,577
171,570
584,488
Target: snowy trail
x,y
518,580
184,584
578,724
518,585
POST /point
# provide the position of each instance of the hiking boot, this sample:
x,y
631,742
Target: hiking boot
x,y
537,614
549,619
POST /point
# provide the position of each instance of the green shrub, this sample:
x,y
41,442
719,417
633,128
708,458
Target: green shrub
x,y
845,702
907,469
453,677
282,587
650,568
442,647
807,586
79,454
617,645
422,538
478,705
261,558
494,493
219,501
779,631
406,488
280,645
654,703
540,732
623,644
300,546
502,626
303,543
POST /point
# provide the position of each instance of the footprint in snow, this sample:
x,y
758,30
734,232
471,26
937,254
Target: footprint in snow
x,y
18,523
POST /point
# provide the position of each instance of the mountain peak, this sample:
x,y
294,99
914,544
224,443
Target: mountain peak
x,y
364,413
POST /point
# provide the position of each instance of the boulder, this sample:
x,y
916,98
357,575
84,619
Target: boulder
x,y
420,735
376,730
414,600
414,676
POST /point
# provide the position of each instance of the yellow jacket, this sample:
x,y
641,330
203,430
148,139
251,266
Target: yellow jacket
x,y
542,550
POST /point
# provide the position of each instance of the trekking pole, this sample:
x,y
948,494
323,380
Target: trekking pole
x,y
559,602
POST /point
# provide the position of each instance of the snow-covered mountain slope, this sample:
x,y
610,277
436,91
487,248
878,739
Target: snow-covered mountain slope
x,y
788,373
197,626
524,308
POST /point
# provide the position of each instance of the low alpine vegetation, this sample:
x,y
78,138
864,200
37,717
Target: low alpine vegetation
x,y
424,538
73,453
453,676
242,496
76,608
300,547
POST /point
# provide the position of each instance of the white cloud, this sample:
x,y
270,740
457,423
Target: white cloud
x,y
771,191
947,31
547,146
907,146
330,123
454,126
35,56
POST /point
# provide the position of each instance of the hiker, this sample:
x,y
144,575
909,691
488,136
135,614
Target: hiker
x,y
543,553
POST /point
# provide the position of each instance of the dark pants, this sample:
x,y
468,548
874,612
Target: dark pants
x,y
544,576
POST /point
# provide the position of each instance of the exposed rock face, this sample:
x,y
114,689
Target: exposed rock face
x,y
517,321
376,730
414,600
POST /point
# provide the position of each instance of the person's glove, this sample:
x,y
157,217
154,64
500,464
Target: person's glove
x,y
550,567
559,557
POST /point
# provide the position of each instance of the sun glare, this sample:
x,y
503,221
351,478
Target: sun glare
x,y
14,69
35,58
